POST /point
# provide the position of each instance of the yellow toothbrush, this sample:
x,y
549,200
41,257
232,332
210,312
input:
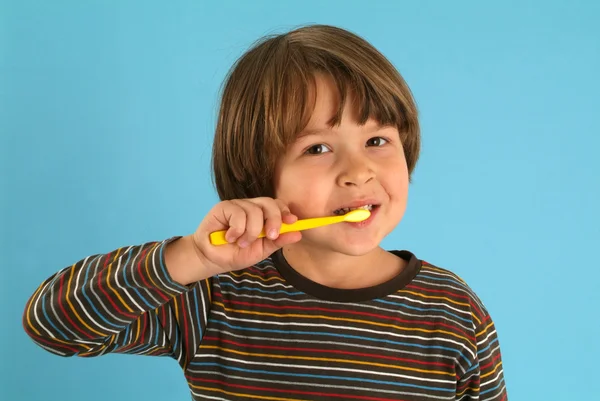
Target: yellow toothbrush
x,y
354,216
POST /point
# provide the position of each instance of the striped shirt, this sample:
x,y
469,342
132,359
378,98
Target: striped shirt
x,y
266,332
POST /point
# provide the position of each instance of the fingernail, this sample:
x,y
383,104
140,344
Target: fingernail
x,y
272,233
243,244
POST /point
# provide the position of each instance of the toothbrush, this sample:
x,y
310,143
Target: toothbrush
x,y
354,216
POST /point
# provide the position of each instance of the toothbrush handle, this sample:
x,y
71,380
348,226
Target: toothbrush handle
x,y
218,237
307,224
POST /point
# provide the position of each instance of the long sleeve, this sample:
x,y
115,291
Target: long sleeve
x,y
120,302
484,380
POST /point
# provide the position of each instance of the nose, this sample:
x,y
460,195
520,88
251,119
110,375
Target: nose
x,y
355,171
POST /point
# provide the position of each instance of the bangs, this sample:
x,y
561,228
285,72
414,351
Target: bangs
x,y
294,101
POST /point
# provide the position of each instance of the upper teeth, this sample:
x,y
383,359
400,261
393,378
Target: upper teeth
x,y
345,210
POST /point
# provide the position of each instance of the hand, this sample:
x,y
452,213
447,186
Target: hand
x,y
243,219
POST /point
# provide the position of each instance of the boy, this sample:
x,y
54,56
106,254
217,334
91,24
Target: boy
x,y
314,122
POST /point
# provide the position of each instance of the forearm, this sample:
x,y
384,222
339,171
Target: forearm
x,y
93,300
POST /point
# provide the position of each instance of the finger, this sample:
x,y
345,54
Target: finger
x,y
281,213
235,220
272,215
289,218
286,215
254,222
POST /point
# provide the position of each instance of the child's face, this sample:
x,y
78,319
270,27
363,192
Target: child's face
x,y
347,165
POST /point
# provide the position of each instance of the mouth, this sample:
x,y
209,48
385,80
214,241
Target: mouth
x,y
344,210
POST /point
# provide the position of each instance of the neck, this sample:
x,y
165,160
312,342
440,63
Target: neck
x,y
337,270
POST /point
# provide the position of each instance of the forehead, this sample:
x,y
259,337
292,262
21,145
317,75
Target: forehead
x,y
325,106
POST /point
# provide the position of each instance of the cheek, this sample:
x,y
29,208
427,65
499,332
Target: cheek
x,y
304,192
396,182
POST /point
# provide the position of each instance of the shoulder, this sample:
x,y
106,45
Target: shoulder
x,y
453,288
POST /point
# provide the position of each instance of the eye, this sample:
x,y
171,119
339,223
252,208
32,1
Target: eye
x,y
377,141
317,149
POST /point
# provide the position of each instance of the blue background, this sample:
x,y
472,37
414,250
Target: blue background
x,y
106,118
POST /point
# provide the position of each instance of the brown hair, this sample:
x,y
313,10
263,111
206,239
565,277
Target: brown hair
x,y
265,102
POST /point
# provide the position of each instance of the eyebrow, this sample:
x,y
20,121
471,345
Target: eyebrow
x,y
327,131
315,131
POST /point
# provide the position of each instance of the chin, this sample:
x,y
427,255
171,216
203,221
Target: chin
x,y
359,249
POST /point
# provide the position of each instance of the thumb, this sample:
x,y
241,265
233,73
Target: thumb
x,y
270,246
